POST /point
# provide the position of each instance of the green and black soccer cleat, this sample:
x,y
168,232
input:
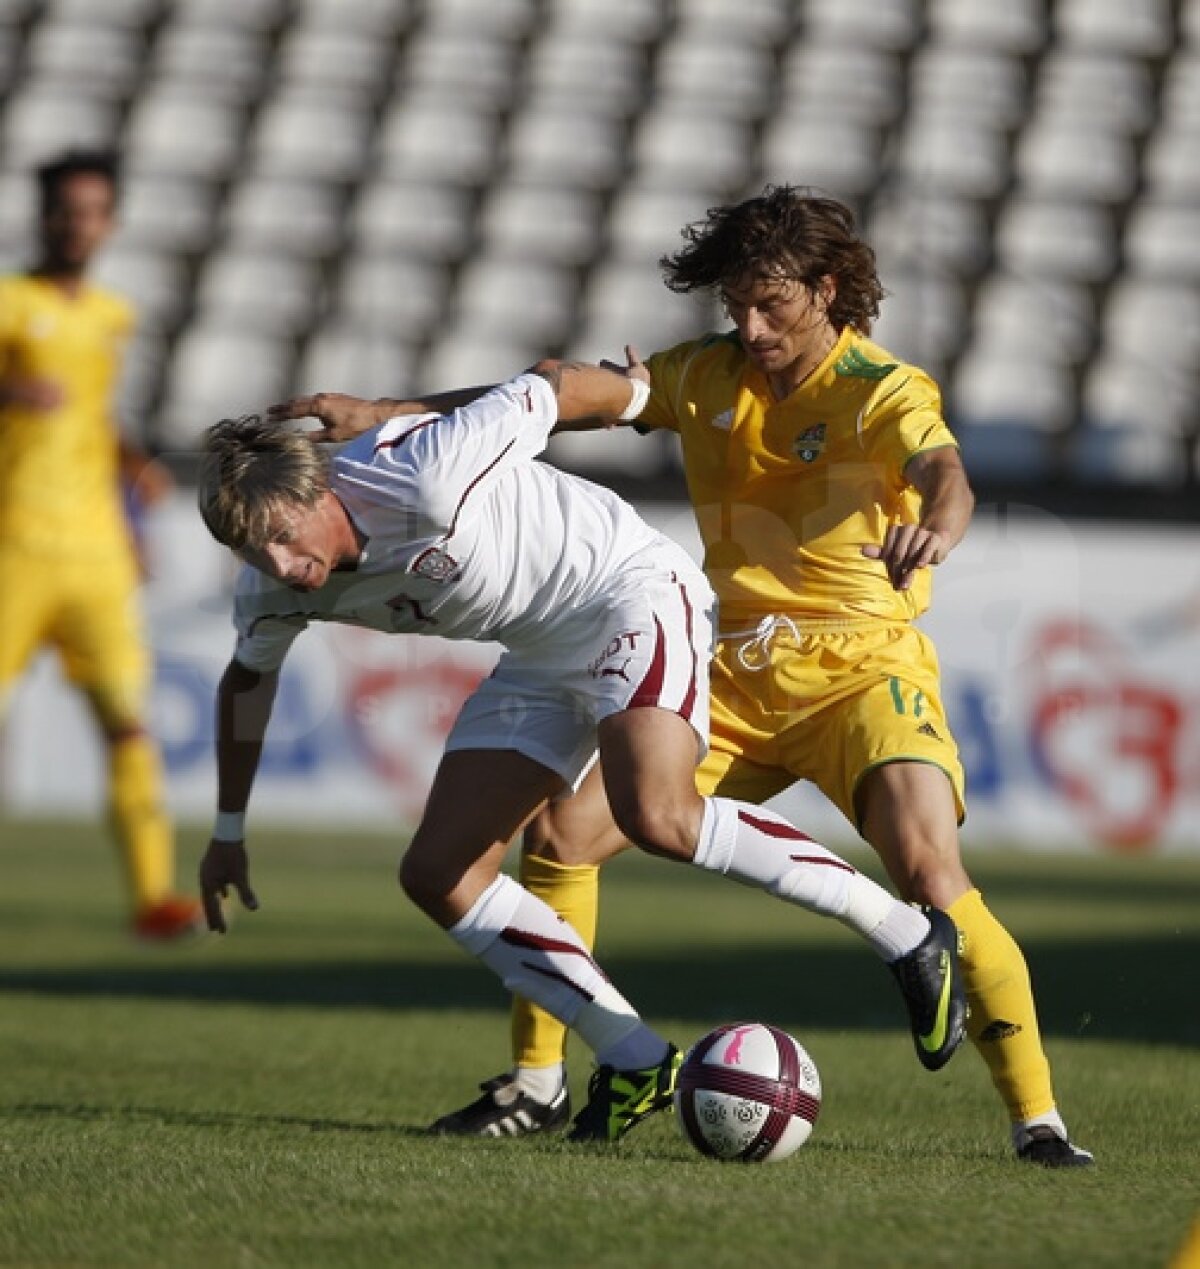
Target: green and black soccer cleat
x,y
931,984
619,1099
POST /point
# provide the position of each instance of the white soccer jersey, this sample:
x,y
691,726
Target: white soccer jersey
x,y
467,536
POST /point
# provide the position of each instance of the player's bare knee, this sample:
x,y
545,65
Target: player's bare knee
x,y
658,825
423,884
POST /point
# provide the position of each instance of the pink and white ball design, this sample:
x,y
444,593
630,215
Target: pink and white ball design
x,y
747,1091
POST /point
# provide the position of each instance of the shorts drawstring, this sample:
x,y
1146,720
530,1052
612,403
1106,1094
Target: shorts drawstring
x,y
754,653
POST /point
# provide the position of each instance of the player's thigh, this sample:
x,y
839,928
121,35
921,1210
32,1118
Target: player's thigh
x,y
908,813
648,757
887,708
576,828
480,800
100,633
31,593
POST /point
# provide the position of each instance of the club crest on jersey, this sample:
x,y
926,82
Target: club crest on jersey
x,y
723,422
810,444
435,565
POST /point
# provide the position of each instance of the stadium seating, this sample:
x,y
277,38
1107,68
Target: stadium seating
x,y
402,193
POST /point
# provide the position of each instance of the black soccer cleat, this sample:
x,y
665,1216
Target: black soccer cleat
x,y
505,1110
1043,1146
931,983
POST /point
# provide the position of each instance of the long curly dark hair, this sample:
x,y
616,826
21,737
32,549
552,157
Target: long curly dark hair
x,y
788,232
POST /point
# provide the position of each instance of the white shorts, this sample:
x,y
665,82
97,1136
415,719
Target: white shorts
x,y
647,643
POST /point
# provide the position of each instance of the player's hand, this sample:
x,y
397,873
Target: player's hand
x,y
342,417
32,394
634,367
224,864
906,548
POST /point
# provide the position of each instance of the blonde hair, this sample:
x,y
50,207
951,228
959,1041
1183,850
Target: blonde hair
x,y
252,473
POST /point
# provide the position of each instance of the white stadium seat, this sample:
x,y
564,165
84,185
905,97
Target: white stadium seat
x,y
1035,314
246,289
1163,240
154,281
909,226
101,55
645,224
306,133
465,66
174,213
833,154
212,61
332,58
1169,168
567,67
979,84
857,83
431,219
714,74
1095,89
923,318
41,121
685,149
465,355
219,372
540,222
181,132
1144,28
1075,159
403,297
284,214
1155,321
523,300
949,154
570,147
439,138
365,363
878,23
1071,241
1016,26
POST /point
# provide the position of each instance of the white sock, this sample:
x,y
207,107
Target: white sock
x,y
759,848
542,1083
539,956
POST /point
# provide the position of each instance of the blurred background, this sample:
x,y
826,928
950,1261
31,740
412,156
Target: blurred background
x,y
379,196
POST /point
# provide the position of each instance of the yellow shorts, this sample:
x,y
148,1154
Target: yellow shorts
x,y
87,609
825,706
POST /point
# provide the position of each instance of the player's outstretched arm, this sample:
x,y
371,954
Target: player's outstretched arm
x,y
244,701
587,393
946,506
344,417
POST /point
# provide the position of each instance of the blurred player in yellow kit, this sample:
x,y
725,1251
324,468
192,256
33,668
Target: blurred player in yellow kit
x,y
68,570
825,484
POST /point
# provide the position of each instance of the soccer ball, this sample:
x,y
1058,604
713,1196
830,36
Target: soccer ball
x,y
747,1091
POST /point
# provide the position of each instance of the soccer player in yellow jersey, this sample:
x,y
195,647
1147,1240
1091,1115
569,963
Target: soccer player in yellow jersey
x,y
68,571
825,484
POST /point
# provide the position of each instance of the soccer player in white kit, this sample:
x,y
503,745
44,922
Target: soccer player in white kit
x,y
446,524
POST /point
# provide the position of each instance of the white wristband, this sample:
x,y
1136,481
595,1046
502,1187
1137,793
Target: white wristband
x,y
637,402
229,826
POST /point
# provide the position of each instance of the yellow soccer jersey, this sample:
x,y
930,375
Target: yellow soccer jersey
x,y
788,492
59,486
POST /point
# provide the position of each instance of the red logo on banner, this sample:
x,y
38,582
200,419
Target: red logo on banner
x,y
1125,781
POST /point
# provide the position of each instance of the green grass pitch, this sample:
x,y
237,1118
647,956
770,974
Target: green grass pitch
x,y
258,1100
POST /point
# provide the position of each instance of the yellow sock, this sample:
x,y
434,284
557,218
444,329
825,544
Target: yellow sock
x,y
573,891
139,817
1003,1023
